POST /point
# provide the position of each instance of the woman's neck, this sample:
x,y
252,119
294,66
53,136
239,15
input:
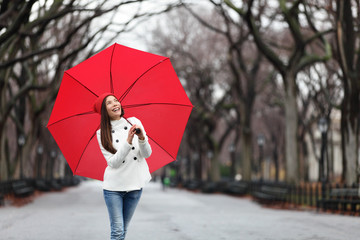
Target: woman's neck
x,y
114,119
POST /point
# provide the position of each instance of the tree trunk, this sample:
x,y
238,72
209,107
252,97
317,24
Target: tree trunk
x,y
215,167
348,57
4,159
350,149
246,154
275,158
291,126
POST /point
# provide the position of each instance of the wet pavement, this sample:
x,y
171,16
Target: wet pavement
x,y
80,213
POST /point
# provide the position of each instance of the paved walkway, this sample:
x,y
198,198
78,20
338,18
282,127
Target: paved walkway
x,y
80,213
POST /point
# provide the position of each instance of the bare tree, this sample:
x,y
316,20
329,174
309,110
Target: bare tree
x,y
294,58
199,59
320,93
348,56
249,74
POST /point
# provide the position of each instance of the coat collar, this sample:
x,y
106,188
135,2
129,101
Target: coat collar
x,y
116,123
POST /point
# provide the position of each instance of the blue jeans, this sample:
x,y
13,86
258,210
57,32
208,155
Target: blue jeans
x,y
121,207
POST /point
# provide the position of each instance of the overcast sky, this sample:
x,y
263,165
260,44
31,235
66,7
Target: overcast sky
x,y
135,38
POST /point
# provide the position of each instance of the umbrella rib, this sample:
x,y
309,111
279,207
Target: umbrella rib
x,y
111,61
146,104
77,165
76,115
132,85
154,141
81,84
161,147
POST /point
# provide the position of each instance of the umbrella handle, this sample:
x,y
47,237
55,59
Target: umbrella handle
x,y
137,130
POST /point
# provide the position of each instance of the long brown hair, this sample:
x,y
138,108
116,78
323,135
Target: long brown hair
x,y
105,128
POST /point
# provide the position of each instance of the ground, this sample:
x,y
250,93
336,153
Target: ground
x,y
80,213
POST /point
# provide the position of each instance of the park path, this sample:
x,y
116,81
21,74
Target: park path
x,y
80,213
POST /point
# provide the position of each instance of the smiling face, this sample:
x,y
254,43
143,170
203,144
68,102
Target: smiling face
x,y
113,107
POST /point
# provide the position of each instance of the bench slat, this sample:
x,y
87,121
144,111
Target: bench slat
x,y
21,188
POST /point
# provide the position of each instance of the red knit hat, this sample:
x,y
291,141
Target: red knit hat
x,y
99,101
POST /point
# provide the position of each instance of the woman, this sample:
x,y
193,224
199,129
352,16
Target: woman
x,y
125,149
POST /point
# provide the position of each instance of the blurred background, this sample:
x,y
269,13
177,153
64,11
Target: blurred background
x,y
274,84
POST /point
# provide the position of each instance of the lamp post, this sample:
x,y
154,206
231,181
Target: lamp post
x,y
40,151
50,165
21,143
323,127
232,156
193,170
261,142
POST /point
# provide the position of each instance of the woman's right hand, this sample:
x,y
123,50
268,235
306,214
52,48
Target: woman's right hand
x,y
131,134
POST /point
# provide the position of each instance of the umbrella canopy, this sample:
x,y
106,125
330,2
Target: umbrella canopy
x,y
148,89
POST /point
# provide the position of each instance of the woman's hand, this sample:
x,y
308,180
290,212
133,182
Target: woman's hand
x,y
132,132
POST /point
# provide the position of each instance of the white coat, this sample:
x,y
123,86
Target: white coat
x,y
127,169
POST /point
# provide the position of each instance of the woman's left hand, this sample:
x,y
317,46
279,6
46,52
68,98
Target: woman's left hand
x,y
141,134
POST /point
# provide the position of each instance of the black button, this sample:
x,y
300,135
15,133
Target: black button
x,y
125,128
117,140
113,131
133,148
124,161
135,158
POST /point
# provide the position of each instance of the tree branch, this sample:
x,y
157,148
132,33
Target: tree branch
x,y
23,14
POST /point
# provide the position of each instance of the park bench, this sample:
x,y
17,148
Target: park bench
x,y
21,188
69,181
342,199
271,194
237,188
2,202
42,185
209,187
192,185
55,185
2,193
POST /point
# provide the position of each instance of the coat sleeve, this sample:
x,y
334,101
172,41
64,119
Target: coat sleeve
x,y
118,159
144,145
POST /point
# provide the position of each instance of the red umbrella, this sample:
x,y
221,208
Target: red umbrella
x,y
148,89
